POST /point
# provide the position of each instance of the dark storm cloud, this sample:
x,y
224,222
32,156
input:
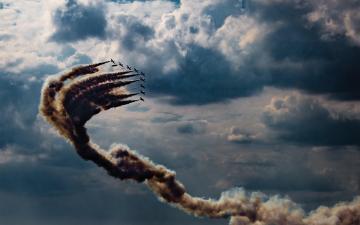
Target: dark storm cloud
x,y
321,66
306,121
324,66
77,22
206,76
299,58
136,32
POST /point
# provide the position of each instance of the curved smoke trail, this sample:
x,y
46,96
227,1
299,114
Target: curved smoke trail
x,y
68,101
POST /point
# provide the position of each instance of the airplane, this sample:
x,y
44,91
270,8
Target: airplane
x,y
142,86
92,68
142,92
127,66
120,64
141,99
118,103
98,64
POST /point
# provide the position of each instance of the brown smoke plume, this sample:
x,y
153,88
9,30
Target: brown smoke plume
x,y
68,101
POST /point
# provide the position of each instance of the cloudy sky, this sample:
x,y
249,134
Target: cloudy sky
x,y
265,98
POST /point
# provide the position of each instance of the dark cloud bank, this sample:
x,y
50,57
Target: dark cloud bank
x,y
77,22
306,121
323,66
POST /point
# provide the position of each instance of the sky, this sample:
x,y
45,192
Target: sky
x,y
265,98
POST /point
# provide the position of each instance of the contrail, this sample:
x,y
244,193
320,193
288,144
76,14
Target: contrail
x,y
68,101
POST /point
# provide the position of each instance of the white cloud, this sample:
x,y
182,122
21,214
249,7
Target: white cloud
x,y
177,29
238,35
29,24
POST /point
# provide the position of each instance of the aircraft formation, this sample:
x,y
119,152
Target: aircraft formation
x,y
137,73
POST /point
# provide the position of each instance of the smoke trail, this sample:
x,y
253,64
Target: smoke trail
x,y
70,100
